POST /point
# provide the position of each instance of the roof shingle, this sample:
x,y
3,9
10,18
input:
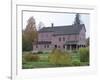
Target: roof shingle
x,y
63,30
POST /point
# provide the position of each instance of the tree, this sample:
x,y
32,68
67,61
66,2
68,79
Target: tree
x,y
29,35
87,41
77,19
84,54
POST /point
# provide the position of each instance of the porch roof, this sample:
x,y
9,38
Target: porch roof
x,y
71,42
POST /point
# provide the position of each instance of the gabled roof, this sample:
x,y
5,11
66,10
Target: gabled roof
x,y
63,30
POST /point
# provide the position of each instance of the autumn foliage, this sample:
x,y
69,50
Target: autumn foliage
x,y
29,35
57,57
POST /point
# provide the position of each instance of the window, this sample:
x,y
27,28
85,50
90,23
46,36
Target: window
x,y
55,46
58,46
68,37
47,46
63,38
44,46
60,39
36,46
46,35
80,38
63,46
75,37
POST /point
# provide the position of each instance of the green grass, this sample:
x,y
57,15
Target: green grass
x,y
44,63
39,64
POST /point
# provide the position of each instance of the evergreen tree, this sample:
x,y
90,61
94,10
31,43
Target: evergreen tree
x,y
77,19
87,42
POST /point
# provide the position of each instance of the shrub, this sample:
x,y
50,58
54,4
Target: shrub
x,y
31,57
46,52
57,57
40,52
84,54
75,51
23,61
76,63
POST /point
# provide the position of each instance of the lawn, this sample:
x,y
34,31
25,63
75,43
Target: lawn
x,y
44,63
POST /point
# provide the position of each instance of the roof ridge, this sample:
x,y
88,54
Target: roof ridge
x,y
61,26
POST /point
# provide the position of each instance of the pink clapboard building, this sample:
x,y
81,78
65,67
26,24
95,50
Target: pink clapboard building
x,y
68,37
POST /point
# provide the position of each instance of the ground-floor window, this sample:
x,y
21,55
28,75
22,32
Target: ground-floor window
x,y
44,46
36,46
47,46
55,46
64,46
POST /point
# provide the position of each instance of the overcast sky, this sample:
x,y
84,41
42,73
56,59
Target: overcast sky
x,y
57,18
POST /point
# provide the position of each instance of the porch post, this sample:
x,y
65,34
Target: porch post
x,y
65,48
76,47
70,47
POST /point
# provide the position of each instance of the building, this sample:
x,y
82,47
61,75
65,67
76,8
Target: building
x,y
70,37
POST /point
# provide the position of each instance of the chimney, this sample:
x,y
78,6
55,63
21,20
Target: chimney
x,y
52,25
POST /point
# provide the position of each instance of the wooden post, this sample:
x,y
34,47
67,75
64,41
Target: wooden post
x,y
76,47
65,47
70,47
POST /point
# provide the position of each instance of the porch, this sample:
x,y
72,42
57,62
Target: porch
x,y
73,45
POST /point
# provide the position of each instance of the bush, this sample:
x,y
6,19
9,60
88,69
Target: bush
x,y
59,58
75,51
30,57
84,54
46,52
23,61
40,52
76,63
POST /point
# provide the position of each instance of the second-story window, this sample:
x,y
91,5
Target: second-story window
x,y
46,35
68,37
63,38
75,37
80,38
59,38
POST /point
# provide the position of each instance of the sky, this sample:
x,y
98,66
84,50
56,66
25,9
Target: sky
x,y
58,19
